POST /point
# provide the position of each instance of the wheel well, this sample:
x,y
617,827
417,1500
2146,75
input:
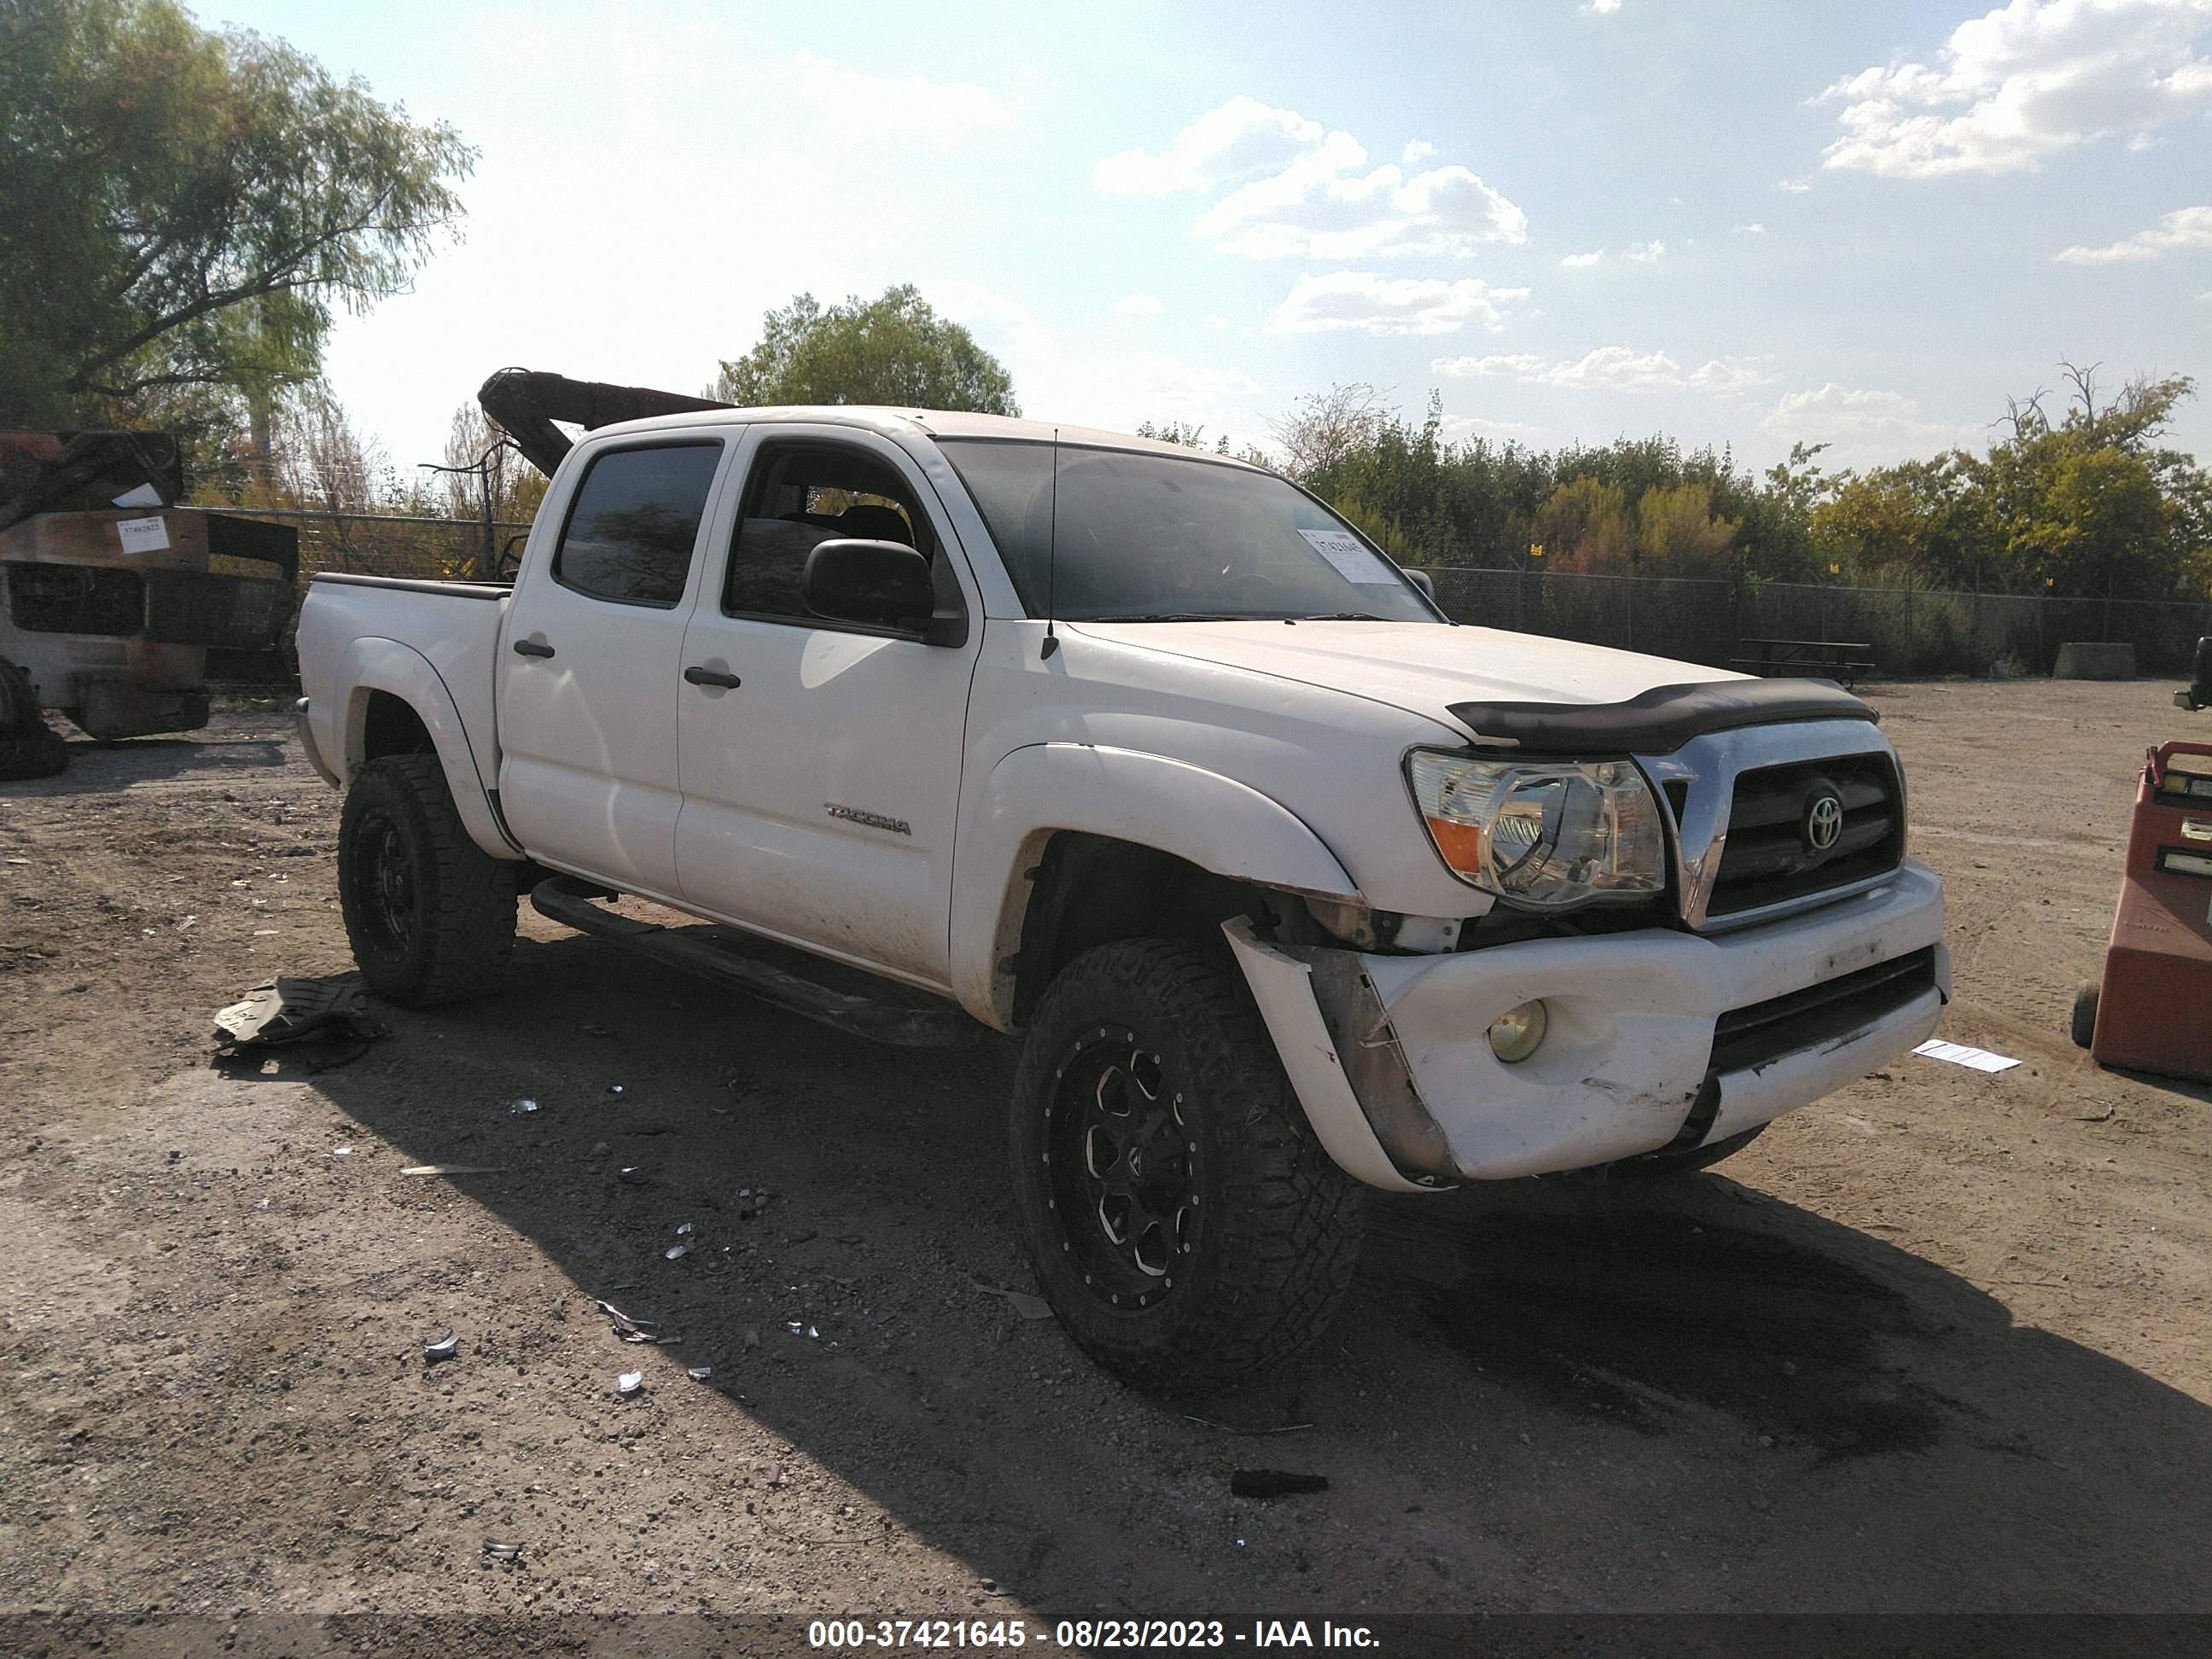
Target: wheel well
x,y
1088,890
392,727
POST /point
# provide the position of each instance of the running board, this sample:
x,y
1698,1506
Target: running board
x,y
903,1019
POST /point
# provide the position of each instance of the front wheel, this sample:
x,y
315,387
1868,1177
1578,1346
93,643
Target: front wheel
x,y
1186,1226
429,913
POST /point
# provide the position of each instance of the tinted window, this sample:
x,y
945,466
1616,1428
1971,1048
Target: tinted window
x,y
1145,535
635,520
804,494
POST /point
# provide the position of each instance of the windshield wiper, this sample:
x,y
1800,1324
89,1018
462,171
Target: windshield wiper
x,y
1342,616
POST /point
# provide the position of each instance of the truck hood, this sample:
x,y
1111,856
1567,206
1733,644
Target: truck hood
x,y
1417,666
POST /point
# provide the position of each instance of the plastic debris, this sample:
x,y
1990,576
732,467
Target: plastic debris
x,y
629,1382
502,1549
1979,1060
630,1330
523,1108
813,1334
699,1373
288,1009
341,1151
685,1229
444,1346
676,1252
614,1088
631,1175
1028,1306
1274,1483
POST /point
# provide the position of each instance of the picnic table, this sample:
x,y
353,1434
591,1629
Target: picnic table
x,y
1841,660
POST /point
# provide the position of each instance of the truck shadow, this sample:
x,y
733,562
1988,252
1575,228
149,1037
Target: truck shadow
x,y
1535,1392
96,767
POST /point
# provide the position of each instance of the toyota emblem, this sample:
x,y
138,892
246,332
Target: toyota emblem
x,y
1824,821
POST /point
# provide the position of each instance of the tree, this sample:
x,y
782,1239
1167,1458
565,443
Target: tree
x,y
894,350
1584,526
1326,427
181,210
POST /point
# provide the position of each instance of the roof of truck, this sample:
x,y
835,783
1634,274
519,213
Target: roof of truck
x,y
933,422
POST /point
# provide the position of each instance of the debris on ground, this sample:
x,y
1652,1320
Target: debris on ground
x,y
522,1108
1274,1483
1239,1428
1958,1053
1021,1302
291,1009
699,1373
444,1346
676,1252
503,1550
629,1382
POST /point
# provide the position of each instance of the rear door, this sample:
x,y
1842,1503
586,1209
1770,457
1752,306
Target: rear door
x,y
588,665
821,759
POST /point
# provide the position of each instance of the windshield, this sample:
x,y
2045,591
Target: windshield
x,y
1156,537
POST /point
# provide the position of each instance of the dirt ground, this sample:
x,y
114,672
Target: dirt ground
x,y
1937,1343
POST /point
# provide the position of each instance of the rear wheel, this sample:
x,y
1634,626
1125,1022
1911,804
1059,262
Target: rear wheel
x,y
29,748
1184,1223
430,916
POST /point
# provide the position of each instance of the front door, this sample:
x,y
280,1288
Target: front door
x,y
821,760
589,661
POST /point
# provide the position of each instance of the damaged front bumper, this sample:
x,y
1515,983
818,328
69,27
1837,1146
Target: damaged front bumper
x,y
1657,1039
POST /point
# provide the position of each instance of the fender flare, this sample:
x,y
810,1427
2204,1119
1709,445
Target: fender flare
x,y
374,664
1227,828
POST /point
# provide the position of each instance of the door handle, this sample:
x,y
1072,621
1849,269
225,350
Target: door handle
x,y
698,676
532,648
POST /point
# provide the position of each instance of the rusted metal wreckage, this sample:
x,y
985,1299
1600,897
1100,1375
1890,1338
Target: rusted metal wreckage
x,y
111,594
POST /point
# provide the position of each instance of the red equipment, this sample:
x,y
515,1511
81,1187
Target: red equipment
x,y
2153,1010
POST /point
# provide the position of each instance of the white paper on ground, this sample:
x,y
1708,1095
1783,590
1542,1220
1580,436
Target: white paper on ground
x,y
1981,1059
139,495
1350,555
144,535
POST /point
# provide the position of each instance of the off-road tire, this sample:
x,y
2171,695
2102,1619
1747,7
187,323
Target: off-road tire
x,y
1257,1265
29,748
430,916
1688,1161
2083,1022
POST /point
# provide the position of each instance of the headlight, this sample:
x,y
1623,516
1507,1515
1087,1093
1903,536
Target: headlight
x,y
1547,834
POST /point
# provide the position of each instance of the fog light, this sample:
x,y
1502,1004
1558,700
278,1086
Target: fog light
x,y
1516,1033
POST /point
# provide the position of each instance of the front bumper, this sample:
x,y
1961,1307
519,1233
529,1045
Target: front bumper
x,y
1391,1055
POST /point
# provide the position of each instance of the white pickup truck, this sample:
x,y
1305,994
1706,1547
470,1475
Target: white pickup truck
x,y
1290,886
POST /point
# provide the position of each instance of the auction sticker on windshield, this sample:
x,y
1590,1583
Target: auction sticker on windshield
x,y
1350,555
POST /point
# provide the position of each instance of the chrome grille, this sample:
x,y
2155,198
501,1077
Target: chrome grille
x,y
1769,857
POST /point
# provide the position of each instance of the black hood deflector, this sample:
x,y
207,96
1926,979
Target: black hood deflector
x,y
1657,722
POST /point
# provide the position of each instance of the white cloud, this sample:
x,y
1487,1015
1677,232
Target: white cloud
x,y
1240,138
1603,8
1303,193
1582,261
1794,186
1383,305
1755,228
883,105
1141,305
1862,423
2189,226
1616,368
1645,253
1458,428
2023,83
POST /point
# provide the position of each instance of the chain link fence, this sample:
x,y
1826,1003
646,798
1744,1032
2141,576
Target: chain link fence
x,y
1906,631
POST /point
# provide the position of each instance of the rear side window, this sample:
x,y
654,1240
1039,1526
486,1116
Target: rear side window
x,y
635,523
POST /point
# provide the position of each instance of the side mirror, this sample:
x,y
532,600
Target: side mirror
x,y
1422,580
881,584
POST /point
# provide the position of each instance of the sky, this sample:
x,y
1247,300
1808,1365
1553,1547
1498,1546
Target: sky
x,y
1864,224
